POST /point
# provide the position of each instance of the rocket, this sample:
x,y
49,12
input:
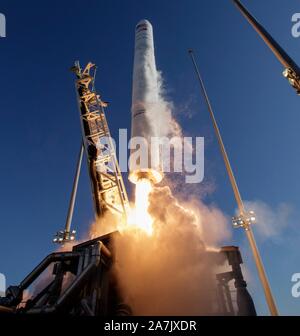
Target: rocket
x,y
292,71
145,105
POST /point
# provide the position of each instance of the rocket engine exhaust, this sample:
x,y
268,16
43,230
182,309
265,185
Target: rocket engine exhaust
x,y
145,99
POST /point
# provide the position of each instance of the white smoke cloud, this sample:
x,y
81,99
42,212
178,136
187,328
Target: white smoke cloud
x,y
167,125
169,273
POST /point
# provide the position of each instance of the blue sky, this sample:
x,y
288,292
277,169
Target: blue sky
x,y
257,110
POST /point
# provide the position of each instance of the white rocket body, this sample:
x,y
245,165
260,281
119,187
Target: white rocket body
x,y
145,104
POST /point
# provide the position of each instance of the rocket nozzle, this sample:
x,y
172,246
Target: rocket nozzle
x,y
152,175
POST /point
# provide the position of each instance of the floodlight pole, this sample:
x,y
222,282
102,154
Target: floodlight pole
x,y
243,219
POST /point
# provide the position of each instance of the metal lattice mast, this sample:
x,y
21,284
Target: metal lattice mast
x,y
107,183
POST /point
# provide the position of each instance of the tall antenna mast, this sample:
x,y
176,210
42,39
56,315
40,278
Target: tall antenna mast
x,y
244,219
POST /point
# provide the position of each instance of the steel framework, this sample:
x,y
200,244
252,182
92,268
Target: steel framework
x,y
107,183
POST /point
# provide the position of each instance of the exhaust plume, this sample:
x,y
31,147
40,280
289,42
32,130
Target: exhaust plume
x,y
169,273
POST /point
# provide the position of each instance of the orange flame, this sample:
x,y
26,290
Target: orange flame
x,y
139,216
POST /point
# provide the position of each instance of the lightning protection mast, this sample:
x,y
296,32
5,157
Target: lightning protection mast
x,y
244,219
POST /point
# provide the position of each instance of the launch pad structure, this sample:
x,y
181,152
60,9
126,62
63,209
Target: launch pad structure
x,y
79,283
106,179
82,282
108,189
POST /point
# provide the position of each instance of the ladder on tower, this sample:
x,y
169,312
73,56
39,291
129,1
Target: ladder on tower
x,y
108,187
